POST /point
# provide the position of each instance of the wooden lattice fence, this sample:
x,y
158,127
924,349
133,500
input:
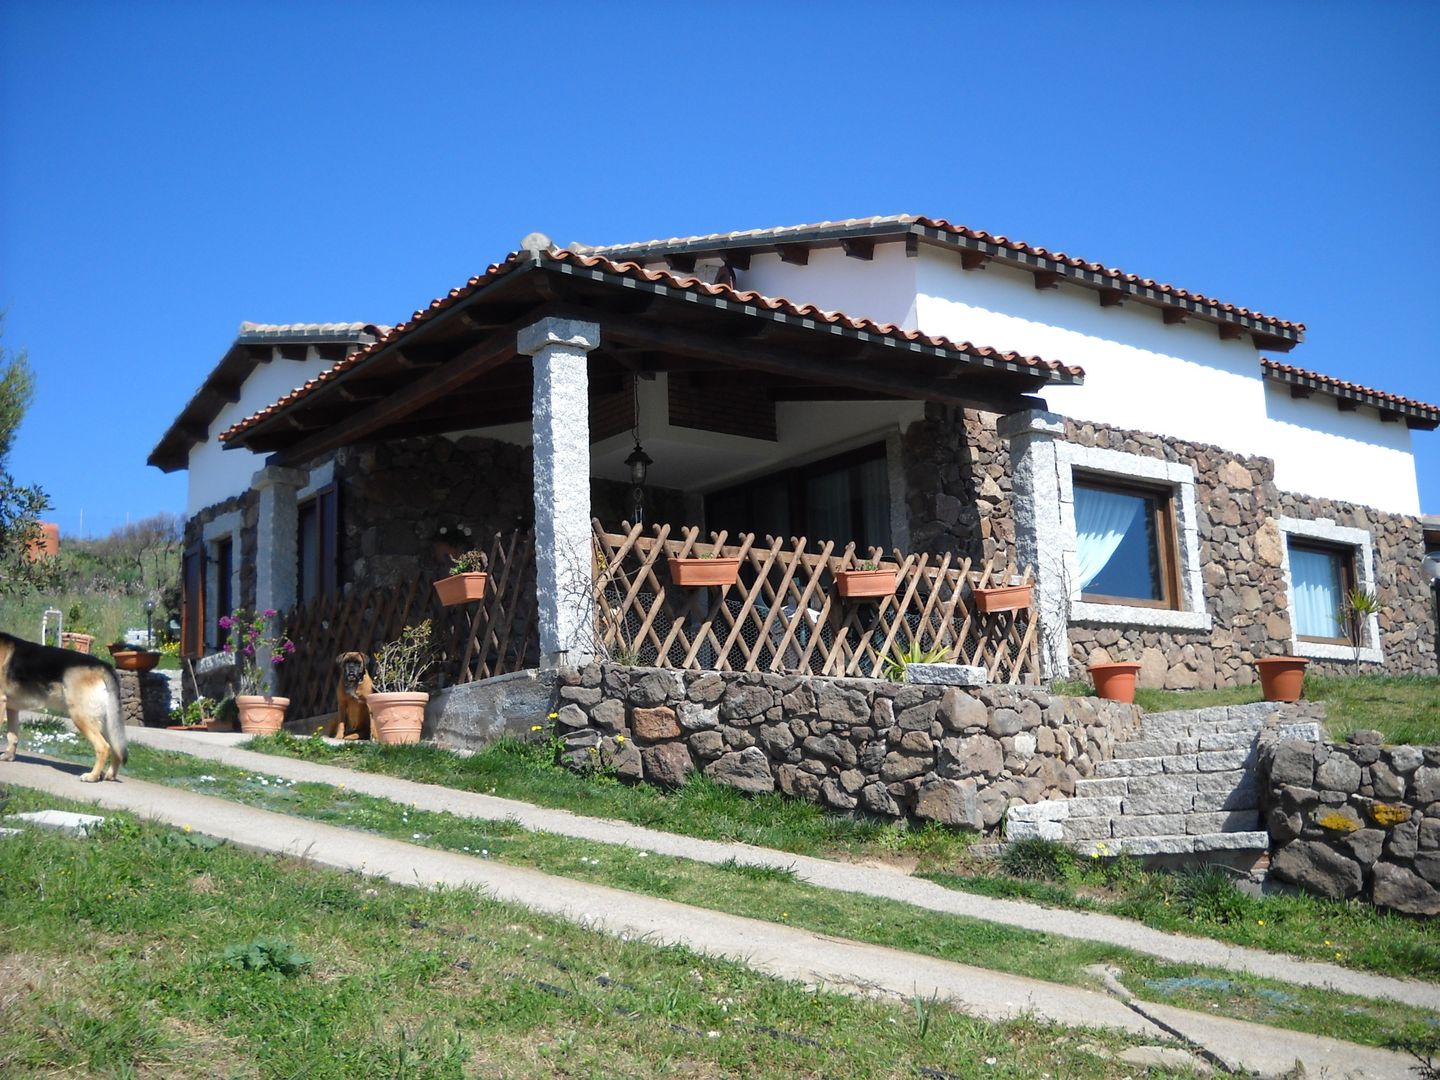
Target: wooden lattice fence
x,y
784,613
472,641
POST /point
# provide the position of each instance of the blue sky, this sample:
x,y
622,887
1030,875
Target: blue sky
x,y
172,169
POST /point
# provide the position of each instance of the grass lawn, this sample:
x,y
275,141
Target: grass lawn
x,y
775,895
1405,709
148,951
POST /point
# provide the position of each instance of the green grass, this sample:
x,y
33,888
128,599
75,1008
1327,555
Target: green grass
x,y
514,769
776,896
1405,708
126,955
1304,926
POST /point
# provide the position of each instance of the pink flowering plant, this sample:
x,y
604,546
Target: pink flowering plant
x,y
255,649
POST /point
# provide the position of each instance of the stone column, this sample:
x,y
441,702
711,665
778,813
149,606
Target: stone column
x,y
1035,471
563,545
277,537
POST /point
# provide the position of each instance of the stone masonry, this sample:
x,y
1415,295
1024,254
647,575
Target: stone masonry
x,y
946,754
960,498
1355,819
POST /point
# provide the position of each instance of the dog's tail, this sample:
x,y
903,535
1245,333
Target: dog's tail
x,y
113,727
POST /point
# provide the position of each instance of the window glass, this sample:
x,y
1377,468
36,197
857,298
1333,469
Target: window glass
x,y
843,498
308,585
1119,552
224,570
1318,577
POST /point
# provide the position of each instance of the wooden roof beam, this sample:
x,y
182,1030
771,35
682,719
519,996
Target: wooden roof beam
x,y
1046,279
1230,331
1111,298
1298,391
1347,404
858,249
798,254
974,260
1173,316
680,263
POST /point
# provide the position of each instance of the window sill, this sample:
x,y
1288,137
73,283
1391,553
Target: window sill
x,y
1126,615
1317,650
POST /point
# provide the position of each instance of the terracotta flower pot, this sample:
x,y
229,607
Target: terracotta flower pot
x,y
77,642
396,718
261,714
1281,677
1115,682
1002,598
134,659
861,584
461,588
691,573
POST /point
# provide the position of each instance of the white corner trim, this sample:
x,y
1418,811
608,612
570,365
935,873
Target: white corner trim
x,y
1192,613
221,526
1372,650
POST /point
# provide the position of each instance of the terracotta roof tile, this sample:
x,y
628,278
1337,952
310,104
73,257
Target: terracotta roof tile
x,y
905,222
1378,398
638,272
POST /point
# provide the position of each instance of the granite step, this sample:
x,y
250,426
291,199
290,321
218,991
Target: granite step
x,y
1163,746
1177,844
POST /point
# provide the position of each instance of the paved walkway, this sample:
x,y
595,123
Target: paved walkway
x,y
786,952
879,882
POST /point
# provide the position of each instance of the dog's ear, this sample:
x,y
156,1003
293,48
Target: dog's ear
x,y
340,660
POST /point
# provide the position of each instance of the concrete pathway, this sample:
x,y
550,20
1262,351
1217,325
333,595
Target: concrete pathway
x,y
884,883
786,952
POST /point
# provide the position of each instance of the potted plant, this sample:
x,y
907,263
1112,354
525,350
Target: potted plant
x,y
1115,681
197,716
128,657
466,581
257,653
706,568
78,637
397,705
867,580
1281,677
993,598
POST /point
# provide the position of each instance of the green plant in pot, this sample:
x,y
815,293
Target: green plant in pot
x,y
466,580
397,706
258,651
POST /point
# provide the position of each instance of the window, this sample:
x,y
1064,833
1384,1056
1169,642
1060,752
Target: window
x,y
1125,543
841,498
224,559
318,554
1324,563
192,601
1322,577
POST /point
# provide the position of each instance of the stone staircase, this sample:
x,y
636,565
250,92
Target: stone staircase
x,y
1185,784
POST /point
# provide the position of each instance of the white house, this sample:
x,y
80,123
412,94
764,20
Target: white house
x,y
1186,499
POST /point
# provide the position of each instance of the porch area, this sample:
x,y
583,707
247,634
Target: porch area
x,y
782,611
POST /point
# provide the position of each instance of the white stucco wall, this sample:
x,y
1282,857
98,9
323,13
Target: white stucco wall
x,y
1321,451
882,289
216,474
1140,374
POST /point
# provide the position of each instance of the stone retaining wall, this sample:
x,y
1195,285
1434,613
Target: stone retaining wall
x,y
946,754
1355,819
145,698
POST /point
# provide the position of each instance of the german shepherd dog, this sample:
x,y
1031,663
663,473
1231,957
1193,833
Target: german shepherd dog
x,y
352,711
36,676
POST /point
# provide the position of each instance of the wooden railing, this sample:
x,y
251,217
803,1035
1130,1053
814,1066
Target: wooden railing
x,y
472,641
784,612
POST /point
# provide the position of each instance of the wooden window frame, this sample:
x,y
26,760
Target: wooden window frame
x,y
1347,554
192,601
224,559
324,502
1167,538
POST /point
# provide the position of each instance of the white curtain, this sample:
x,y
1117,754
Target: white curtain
x,y
1102,518
1316,577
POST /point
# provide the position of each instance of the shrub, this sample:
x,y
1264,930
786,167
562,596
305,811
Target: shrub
x,y
1037,860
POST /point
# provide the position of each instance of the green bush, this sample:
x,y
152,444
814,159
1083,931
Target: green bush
x,y
1037,860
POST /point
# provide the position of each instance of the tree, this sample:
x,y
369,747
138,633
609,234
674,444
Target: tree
x,y
20,506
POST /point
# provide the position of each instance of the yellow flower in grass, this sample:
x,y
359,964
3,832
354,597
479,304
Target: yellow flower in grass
x,y
619,738
554,716
534,727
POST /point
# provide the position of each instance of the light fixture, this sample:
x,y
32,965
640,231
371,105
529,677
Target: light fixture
x,y
149,634
638,462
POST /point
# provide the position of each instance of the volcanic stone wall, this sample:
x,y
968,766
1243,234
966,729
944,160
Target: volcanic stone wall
x,y
947,754
1355,819
959,499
